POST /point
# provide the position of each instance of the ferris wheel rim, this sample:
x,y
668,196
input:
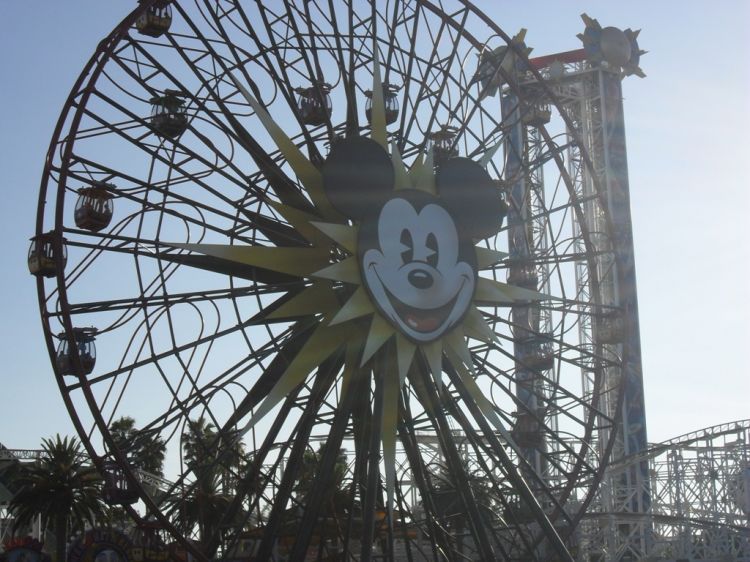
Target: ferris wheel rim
x,y
59,221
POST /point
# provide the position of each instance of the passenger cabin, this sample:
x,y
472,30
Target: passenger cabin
x,y
390,100
443,144
94,207
527,432
41,257
117,489
84,341
155,20
536,115
150,537
314,103
523,273
169,114
537,353
610,328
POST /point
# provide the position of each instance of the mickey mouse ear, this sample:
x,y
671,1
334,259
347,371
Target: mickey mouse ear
x,y
468,191
357,175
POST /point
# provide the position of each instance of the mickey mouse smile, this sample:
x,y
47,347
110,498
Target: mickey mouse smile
x,y
419,321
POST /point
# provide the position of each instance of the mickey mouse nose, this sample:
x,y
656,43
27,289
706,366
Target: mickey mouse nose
x,y
420,279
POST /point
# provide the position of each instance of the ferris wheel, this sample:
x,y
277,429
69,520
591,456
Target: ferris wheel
x,y
315,222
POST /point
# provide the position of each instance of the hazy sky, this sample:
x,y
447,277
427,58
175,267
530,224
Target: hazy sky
x,y
687,125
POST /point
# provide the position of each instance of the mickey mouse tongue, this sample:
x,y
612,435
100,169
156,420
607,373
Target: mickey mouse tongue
x,y
422,324
419,319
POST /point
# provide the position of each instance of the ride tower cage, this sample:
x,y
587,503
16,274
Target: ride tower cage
x,y
587,134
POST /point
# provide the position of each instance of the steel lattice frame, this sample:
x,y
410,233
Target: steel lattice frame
x,y
182,336
699,500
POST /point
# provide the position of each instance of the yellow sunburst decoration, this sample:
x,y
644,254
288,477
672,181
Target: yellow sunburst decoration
x,y
392,257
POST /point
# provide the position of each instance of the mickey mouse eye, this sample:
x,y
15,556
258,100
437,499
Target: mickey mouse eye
x,y
407,246
432,249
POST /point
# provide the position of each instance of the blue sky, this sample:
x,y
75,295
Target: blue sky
x,y
686,127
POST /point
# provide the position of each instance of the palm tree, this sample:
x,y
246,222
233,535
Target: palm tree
x,y
336,500
215,461
450,507
144,450
60,489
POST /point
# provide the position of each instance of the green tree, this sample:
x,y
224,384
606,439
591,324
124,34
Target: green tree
x,y
60,488
309,470
336,500
448,503
144,450
215,462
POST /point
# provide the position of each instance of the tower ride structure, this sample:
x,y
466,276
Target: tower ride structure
x,y
588,134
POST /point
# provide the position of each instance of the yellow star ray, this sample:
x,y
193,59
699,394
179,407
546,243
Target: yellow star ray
x,y
346,271
490,292
316,299
380,332
487,258
433,354
358,305
405,351
422,174
292,261
343,234
377,116
351,361
322,344
306,172
402,180
455,343
475,326
488,155
301,221
392,384
468,378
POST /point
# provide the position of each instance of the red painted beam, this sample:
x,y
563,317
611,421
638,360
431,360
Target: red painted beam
x,y
579,55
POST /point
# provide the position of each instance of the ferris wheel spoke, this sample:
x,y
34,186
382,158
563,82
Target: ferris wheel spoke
x,y
278,71
247,487
564,346
514,472
302,433
280,182
407,432
231,133
344,66
180,406
554,409
165,300
163,355
137,190
424,94
284,188
392,28
483,451
156,155
450,452
560,391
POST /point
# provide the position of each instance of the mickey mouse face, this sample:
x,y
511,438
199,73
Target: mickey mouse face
x,y
415,267
416,250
